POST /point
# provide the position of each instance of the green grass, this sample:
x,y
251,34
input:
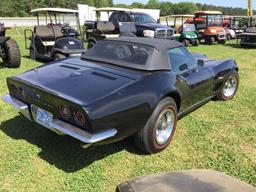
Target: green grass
x,y
220,136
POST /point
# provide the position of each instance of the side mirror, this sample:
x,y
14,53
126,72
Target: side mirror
x,y
158,21
200,62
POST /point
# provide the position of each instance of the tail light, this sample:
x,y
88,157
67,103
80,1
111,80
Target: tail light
x,y
79,118
13,89
65,111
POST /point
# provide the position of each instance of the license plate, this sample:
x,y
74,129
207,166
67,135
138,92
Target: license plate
x,y
43,117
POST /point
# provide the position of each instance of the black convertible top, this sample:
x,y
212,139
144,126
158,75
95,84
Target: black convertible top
x,y
157,60
159,44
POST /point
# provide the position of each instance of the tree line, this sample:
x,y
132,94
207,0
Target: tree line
x,y
21,8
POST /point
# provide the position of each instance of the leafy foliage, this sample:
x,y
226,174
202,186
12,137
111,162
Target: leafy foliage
x,y
22,7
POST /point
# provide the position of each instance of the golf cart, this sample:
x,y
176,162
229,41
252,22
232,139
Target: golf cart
x,y
9,49
248,37
236,23
113,22
55,39
185,32
209,25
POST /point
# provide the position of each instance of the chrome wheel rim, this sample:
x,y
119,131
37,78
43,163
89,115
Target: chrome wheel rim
x,y
230,87
165,125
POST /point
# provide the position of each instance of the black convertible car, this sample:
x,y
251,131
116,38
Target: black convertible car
x,y
122,87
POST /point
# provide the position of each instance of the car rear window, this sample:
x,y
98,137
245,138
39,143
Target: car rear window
x,y
122,53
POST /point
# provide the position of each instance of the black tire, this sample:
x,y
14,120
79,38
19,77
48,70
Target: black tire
x,y
90,44
221,95
209,40
229,37
12,58
222,41
146,139
185,42
59,56
195,42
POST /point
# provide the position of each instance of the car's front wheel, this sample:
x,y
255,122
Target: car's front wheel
x,y
159,130
229,88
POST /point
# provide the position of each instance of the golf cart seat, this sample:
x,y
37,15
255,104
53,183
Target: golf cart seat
x,y
107,28
46,33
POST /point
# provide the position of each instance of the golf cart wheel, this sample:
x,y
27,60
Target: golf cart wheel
x,y
59,56
159,130
209,40
196,42
185,42
229,37
229,89
222,41
90,44
12,56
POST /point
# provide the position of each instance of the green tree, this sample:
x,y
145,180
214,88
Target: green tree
x,y
152,4
137,5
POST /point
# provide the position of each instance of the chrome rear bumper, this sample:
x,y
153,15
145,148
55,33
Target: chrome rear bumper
x,y
62,127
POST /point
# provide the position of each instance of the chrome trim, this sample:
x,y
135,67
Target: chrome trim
x,y
165,34
22,107
62,127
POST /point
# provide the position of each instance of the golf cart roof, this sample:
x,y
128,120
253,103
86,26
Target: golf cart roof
x,y
209,12
172,16
236,16
53,10
111,9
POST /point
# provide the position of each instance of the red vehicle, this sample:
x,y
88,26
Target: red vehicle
x,y
209,25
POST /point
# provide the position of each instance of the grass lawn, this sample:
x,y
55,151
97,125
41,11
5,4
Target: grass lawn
x,y
220,136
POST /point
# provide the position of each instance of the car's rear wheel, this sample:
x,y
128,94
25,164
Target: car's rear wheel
x,y
229,88
159,130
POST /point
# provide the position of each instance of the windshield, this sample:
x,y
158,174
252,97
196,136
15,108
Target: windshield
x,y
214,20
61,19
143,18
202,21
189,27
120,53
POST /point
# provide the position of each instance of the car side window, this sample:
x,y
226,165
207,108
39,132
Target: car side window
x,y
119,17
181,60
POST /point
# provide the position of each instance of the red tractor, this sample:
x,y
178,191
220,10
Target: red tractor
x,y
209,25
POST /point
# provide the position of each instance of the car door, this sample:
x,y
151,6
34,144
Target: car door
x,y
195,82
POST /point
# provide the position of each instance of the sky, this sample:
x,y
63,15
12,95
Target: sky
x,y
228,3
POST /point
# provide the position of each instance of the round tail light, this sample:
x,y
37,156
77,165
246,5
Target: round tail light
x,y
79,118
65,111
13,89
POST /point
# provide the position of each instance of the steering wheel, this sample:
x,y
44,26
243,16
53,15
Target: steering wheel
x,y
65,29
120,52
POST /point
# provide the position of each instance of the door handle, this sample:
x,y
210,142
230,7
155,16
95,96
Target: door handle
x,y
181,78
